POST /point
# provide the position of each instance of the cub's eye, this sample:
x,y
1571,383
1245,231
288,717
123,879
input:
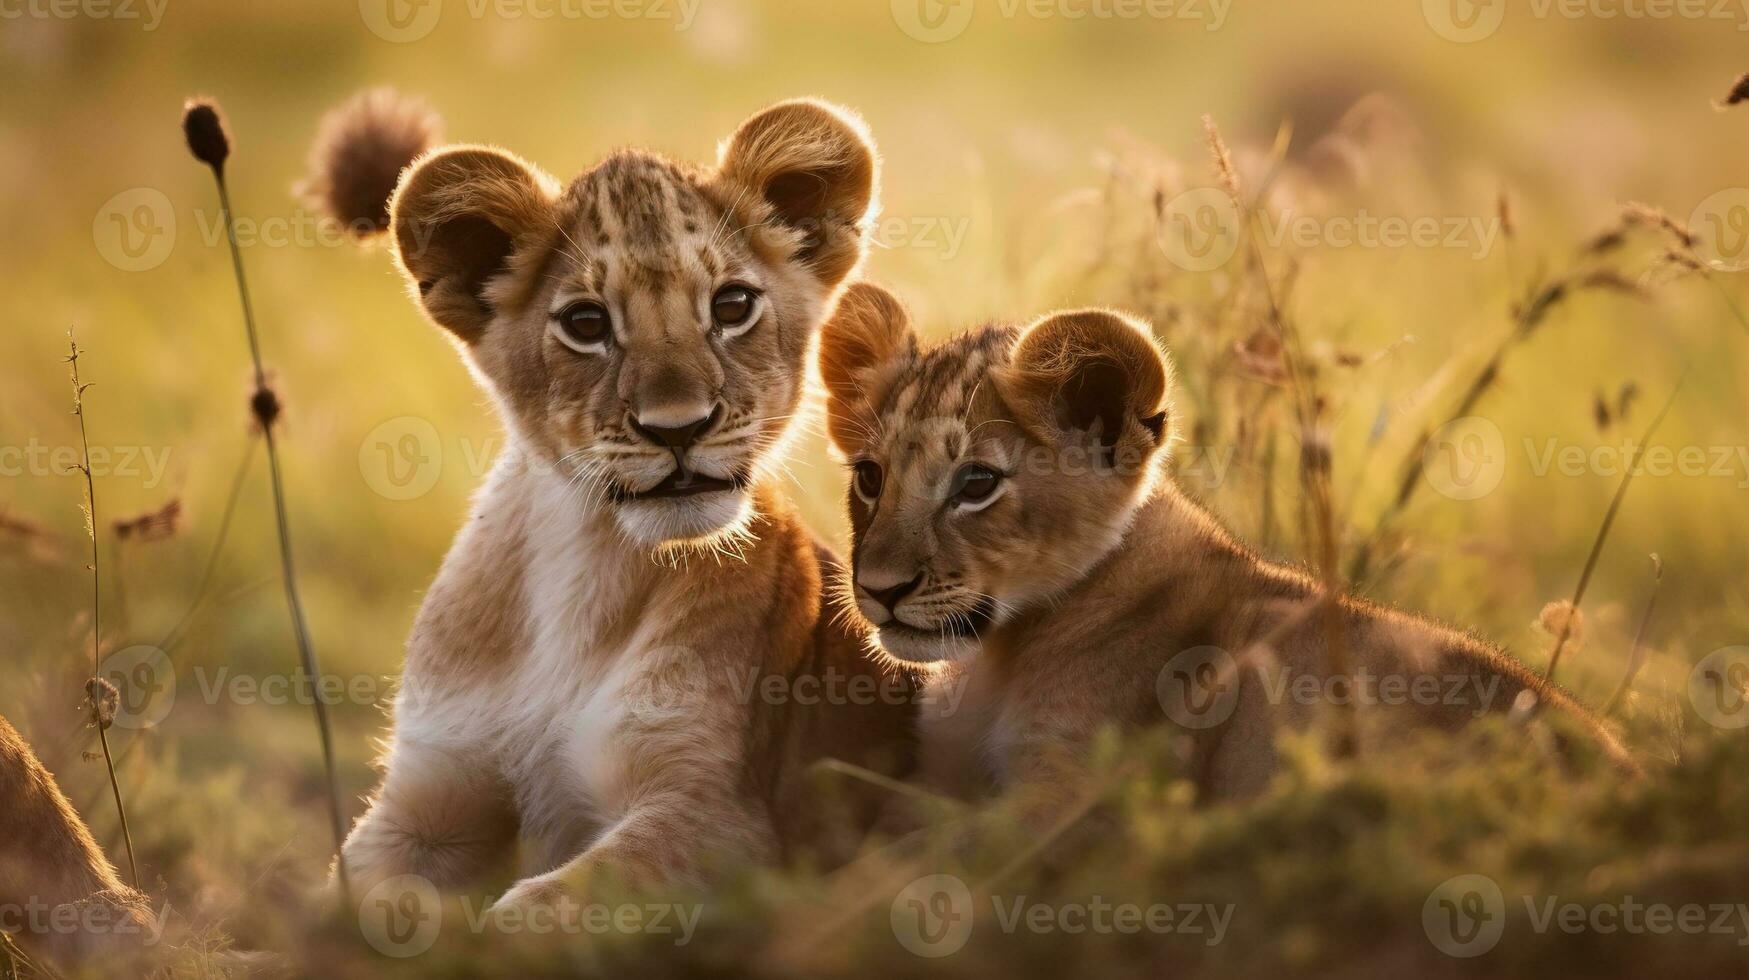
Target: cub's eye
x,y
584,326
868,480
974,487
734,308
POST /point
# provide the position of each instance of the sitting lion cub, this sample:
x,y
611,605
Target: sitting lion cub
x,y
623,663
1010,517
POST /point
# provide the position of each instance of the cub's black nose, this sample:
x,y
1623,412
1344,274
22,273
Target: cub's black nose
x,y
677,438
891,597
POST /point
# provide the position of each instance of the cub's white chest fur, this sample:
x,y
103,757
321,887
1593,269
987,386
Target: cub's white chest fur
x,y
966,729
596,700
563,708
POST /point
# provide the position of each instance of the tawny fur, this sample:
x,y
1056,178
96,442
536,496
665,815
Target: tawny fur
x,y
618,683
49,860
1061,605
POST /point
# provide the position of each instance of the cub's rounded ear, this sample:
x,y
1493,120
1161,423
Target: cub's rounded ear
x,y
1093,373
864,343
461,217
813,167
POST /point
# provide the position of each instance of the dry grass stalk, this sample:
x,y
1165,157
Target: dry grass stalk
x,y
1223,159
174,636
1681,256
1318,514
1603,530
208,140
1527,317
1637,654
98,692
1644,215
16,963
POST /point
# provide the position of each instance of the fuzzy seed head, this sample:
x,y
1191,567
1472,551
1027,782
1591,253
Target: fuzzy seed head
x,y
1739,92
359,153
1223,159
105,699
1562,617
264,406
204,128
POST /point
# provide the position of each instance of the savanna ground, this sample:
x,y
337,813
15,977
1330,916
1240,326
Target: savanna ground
x,y
1033,160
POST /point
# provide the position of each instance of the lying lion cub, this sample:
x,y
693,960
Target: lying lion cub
x,y
1010,517
62,897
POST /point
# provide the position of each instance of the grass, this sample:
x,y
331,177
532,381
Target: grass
x,y
99,692
203,128
1057,149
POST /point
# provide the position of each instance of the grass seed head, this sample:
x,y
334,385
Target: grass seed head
x,y
1739,92
264,406
105,700
153,525
204,128
1560,616
1223,159
360,151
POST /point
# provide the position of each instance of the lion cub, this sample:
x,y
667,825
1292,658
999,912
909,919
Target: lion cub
x,y
63,897
624,663
1012,524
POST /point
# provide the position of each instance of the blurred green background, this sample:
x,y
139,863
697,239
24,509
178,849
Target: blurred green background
x,y
1023,158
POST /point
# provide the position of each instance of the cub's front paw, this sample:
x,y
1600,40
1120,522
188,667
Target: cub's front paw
x,y
542,903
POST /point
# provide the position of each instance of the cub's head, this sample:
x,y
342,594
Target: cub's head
x,y
990,472
644,328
